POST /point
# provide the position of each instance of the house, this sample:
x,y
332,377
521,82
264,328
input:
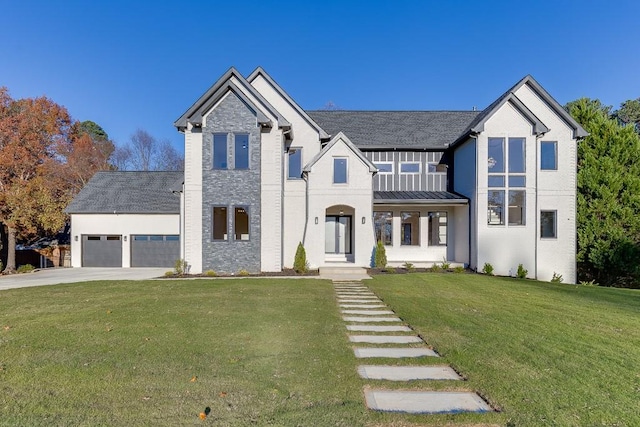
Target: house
x,y
261,174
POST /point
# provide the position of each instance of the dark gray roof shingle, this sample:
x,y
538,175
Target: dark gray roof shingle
x,y
396,129
129,192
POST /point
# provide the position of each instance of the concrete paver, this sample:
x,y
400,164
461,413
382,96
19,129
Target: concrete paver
x,y
370,319
378,328
354,300
368,312
407,373
362,306
394,353
425,402
386,339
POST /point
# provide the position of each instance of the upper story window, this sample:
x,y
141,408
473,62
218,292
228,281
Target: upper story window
x,y
436,168
549,155
410,167
241,151
340,170
220,151
295,163
384,167
505,182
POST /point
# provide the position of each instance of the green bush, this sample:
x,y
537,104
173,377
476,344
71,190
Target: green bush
x,y
26,268
389,270
557,278
458,269
243,272
210,273
169,273
180,267
435,268
445,264
408,266
381,255
521,273
300,264
487,269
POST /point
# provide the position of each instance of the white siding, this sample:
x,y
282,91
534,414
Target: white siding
x,y
193,200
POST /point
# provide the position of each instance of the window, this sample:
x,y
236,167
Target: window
x,y
383,222
548,228
113,237
504,180
241,223
140,238
410,228
436,168
495,212
295,163
156,238
172,238
410,167
220,151
384,168
516,207
548,155
437,228
242,151
219,223
339,170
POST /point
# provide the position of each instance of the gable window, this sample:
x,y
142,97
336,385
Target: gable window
x,y
548,226
410,167
295,163
549,155
241,151
219,150
383,222
219,223
384,168
241,223
437,228
410,228
340,170
504,178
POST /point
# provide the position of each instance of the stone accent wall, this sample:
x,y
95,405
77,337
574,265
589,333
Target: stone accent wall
x,y
231,188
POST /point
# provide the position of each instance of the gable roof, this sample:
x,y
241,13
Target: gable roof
x,y
261,72
128,192
371,130
349,144
218,90
509,96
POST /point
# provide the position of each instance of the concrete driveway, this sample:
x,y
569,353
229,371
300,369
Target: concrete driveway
x,y
54,276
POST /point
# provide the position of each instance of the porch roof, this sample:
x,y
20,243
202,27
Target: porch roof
x,y
418,197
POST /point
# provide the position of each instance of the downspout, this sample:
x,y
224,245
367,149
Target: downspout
x,y
306,206
473,221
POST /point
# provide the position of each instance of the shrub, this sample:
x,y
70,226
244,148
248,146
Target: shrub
x,y
435,268
557,278
381,255
458,269
389,270
445,264
210,273
180,267
300,264
487,269
26,268
169,273
521,273
589,283
243,272
408,266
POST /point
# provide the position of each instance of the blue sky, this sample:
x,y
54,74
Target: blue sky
x,y
129,65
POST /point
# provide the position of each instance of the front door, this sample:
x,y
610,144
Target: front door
x,y
337,235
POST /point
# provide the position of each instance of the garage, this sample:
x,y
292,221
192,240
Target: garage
x,y
154,250
101,250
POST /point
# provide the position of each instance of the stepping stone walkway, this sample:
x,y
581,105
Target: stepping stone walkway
x,y
359,305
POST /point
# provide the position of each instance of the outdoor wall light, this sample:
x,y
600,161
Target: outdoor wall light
x,y
316,220
364,220
125,238
75,238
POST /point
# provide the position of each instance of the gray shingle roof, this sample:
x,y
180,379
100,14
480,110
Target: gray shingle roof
x,y
422,197
128,192
396,129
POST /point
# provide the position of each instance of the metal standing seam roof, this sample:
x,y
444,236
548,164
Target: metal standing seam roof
x,y
371,130
418,197
138,192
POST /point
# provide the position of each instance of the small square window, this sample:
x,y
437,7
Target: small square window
x,y
295,163
410,167
548,225
242,151
517,181
384,168
549,155
496,180
339,170
220,151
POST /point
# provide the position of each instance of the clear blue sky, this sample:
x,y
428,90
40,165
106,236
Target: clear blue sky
x,y
129,65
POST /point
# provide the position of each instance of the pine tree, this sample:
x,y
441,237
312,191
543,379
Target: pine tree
x,y
300,261
381,255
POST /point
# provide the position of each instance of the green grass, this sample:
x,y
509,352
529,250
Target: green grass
x,y
275,352
546,354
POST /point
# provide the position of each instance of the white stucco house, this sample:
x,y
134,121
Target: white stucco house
x,y
261,174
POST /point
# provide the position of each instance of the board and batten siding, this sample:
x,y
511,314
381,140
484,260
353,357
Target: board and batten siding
x,y
424,181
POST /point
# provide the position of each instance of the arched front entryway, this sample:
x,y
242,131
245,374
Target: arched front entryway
x,y
338,233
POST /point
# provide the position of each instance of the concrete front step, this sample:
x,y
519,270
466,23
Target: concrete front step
x,y
368,312
425,402
378,328
359,319
386,339
359,297
343,272
356,300
393,353
362,306
407,373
